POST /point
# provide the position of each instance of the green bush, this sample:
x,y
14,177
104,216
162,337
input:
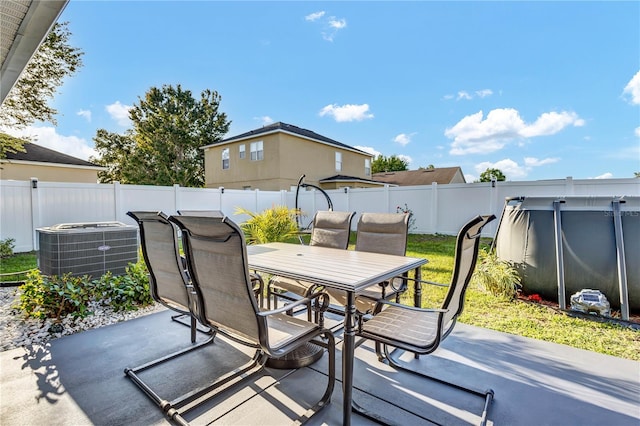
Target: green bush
x,y
6,247
125,292
55,296
276,224
496,276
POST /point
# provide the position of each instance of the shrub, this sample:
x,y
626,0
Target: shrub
x,y
54,296
271,225
412,219
125,292
496,276
6,247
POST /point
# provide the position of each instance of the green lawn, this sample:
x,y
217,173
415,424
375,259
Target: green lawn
x,y
482,309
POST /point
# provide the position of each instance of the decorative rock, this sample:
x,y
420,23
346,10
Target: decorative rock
x,y
16,331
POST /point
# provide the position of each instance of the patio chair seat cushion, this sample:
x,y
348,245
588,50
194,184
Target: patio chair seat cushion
x,y
365,299
284,329
417,328
289,284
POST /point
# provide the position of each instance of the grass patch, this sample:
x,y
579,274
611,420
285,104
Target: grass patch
x,y
481,309
18,262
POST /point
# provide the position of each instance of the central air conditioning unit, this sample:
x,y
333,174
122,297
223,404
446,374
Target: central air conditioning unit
x,y
87,248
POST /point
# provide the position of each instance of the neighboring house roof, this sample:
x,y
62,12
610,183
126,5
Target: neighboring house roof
x,y
38,154
287,128
343,178
440,175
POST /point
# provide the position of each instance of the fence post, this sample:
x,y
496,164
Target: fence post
x,y
117,201
386,197
434,208
35,211
176,197
569,189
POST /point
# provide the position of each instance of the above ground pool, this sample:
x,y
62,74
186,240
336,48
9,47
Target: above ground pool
x,y
563,245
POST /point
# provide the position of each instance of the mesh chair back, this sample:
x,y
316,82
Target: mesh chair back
x,y
384,233
467,246
207,213
167,277
331,229
217,257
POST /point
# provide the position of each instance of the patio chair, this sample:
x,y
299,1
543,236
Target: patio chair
x,y
169,282
419,330
330,229
384,233
256,280
217,261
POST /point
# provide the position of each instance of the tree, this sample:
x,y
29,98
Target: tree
x,y
390,164
10,144
636,174
163,148
115,152
491,175
27,102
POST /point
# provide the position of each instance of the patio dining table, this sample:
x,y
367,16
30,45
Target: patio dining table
x,y
347,270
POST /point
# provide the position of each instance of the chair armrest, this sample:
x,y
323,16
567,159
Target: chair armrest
x,y
304,301
382,302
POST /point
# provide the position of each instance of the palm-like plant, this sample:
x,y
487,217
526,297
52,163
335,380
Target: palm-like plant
x,y
276,224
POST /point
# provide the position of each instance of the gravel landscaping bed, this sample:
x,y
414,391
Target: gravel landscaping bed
x,y
16,331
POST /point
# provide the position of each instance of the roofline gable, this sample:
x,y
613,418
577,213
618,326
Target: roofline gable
x,y
288,129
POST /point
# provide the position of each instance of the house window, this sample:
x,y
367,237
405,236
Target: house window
x,y
367,167
241,151
256,151
225,158
338,161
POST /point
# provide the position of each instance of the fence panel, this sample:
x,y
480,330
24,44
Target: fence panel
x,y
436,208
69,203
15,214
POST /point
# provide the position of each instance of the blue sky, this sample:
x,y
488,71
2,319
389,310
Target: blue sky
x,y
540,90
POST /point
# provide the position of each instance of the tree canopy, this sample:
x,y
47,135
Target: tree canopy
x,y
28,100
163,147
388,164
492,174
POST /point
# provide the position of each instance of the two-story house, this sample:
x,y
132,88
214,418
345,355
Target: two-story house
x,y
274,157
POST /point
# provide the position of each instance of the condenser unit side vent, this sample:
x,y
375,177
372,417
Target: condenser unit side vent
x,y
87,248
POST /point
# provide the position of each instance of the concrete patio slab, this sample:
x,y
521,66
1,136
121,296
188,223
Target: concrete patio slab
x,y
79,380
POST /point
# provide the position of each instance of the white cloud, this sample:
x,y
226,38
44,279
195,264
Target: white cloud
x,y
406,158
48,137
338,24
463,95
484,93
403,138
368,149
265,120
534,162
551,123
604,176
347,112
632,90
470,178
85,113
120,113
331,25
637,131
314,16
475,134
510,168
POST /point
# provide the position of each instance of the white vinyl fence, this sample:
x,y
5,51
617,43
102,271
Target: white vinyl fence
x,y
28,205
